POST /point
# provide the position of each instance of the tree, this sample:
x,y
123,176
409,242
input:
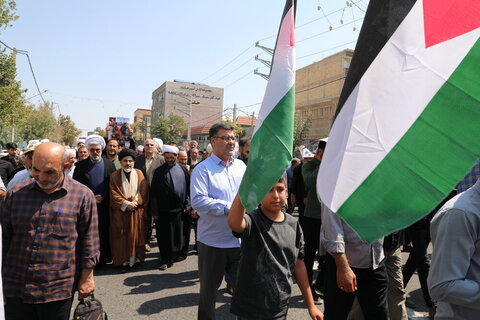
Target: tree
x,y
12,103
301,128
169,129
101,132
39,124
238,130
67,132
7,13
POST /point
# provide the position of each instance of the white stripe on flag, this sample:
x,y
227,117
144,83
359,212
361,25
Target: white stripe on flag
x,y
282,76
389,98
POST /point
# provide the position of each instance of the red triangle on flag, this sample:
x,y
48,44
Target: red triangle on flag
x,y
448,19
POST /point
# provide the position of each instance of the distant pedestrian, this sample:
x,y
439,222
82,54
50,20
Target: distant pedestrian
x,y
82,153
13,157
25,174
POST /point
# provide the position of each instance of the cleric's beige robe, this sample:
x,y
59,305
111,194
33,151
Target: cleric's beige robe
x,y
127,228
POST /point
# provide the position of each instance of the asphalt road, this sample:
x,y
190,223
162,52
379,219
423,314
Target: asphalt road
x,y
148,293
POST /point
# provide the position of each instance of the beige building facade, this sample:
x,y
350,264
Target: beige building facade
x,y
142,120
197,104
317,91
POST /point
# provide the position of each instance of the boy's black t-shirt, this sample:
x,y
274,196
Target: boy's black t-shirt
x,y
265,276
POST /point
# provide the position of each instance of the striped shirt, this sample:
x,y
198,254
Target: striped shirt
x,y
47,240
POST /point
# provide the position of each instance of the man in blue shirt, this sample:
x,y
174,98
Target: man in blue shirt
x,y
214,184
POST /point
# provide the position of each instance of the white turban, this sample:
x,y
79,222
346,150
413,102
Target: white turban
x,y
140,148
95,139
158,141
170,149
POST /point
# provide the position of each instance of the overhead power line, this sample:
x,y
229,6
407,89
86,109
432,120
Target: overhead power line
x,y
249,60
228,63
336,47
325,16
328,31
30,64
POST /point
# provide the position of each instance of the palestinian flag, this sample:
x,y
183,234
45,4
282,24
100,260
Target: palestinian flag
x,y
408,125
272,141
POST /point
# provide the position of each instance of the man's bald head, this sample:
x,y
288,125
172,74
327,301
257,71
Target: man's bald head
x,y
182,157
48,165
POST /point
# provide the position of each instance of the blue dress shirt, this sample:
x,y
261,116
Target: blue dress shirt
x,y
213,187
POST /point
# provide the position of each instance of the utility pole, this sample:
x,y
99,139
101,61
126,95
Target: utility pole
x,y
251,124
269,51
234,112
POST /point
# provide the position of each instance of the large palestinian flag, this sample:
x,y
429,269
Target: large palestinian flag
x,y
272,141
408,125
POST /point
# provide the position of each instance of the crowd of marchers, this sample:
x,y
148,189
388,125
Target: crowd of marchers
x,y
65,211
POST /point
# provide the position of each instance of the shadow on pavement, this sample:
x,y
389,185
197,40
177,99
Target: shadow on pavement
x,y
150,283
417,297
184,301
148,264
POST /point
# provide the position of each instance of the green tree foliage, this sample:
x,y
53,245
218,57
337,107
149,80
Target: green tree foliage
x,y
7,13
169,129
238,130
39,124
67,132
12,103
301,129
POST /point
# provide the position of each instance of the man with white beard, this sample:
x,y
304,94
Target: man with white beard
x,y
94,172
128,218
70,164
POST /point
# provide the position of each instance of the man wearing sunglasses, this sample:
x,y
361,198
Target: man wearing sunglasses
x,y
94,172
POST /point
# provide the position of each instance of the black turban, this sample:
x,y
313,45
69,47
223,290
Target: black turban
x,y
127,153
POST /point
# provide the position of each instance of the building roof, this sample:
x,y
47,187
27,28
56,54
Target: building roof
x,y
141,109
200,130
245,121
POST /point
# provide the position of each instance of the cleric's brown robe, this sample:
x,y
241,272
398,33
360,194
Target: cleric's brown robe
x,y
127,228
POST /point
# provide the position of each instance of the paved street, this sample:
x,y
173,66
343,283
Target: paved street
x,y
147,293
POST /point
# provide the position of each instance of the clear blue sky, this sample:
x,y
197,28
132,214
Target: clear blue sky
x,y
104,58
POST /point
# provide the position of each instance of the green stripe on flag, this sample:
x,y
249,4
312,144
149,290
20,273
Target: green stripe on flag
x,y
270,152
428,161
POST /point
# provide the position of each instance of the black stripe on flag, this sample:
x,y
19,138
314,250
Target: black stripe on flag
x,y
381,20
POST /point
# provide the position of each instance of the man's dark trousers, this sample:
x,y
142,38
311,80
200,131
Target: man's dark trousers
x,y
371,293
15,309
311,235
